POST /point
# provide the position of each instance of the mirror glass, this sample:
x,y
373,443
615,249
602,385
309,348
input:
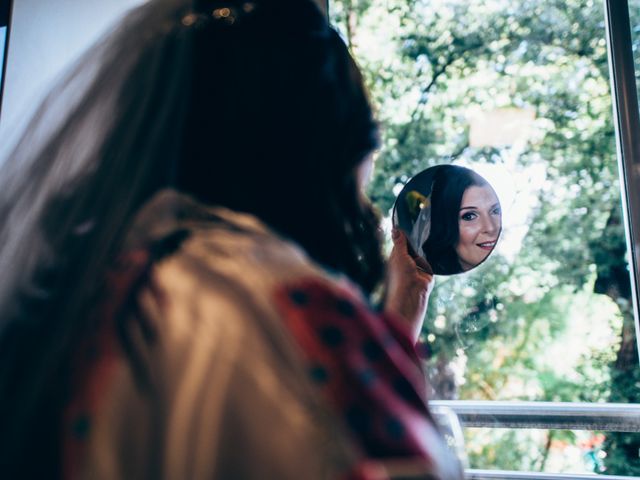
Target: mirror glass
x,y
451,216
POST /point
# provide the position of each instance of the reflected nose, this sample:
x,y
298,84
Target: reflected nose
x,y
491,225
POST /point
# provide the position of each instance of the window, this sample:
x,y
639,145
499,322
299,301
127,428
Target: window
x,y
520,92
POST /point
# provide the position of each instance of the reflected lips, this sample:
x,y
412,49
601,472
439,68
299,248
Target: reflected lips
x,y
487,245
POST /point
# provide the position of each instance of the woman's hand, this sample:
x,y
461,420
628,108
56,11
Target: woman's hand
x,y
409,284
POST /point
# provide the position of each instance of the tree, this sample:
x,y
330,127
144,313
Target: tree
x,y
489,333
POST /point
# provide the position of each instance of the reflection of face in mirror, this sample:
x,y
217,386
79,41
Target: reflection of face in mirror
x,y
451,216
479,225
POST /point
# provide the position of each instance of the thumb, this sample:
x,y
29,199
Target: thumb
x,y
400,243
398,237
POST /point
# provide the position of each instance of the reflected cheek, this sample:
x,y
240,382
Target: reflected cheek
x,y
467,249
468,234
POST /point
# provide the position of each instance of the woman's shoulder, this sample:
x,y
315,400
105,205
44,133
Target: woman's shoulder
x,y
239,251
205,332
223,241
222,262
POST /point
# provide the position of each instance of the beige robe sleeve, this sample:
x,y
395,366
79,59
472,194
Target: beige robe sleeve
x,y
228,397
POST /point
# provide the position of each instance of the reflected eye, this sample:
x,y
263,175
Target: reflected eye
x,y
468,216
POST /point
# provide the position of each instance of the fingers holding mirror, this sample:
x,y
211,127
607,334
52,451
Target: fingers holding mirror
x,y
451,216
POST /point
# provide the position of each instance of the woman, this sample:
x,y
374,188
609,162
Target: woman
x,y
172,217
466,220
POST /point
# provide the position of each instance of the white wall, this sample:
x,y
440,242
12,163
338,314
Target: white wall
x,y
45,36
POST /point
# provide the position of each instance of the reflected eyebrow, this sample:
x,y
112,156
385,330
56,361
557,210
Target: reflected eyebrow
x,y
476,208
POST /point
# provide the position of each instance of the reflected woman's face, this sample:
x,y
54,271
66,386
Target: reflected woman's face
x,y
479,224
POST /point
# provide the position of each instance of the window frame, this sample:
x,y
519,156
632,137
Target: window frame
x,y
627,122
6,12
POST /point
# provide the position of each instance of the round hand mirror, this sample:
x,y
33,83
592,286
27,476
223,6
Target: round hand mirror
x,y
451,217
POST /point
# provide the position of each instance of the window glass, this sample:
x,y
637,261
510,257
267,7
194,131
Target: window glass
x,y
518,91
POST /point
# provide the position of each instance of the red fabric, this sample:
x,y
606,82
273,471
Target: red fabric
x,y
365,365
96,360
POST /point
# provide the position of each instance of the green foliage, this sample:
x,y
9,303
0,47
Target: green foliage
x,y
503,449
496,332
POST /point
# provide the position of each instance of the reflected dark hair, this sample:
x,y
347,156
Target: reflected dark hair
x,y
449,185
261,111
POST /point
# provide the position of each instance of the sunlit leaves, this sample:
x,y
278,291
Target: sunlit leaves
x,y
429,64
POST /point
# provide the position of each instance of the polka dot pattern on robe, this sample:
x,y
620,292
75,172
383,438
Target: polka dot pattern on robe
x,y
365,365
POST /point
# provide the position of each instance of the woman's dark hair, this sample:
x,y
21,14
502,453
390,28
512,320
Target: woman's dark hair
x,y
254,105
296,124
449,185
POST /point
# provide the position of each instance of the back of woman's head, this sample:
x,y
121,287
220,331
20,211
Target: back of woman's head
x,y
255,105
278,122
449,185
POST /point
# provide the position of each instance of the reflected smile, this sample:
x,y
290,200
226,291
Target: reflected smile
x,y
487,245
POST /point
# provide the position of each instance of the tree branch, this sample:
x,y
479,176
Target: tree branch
x,y
424,93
